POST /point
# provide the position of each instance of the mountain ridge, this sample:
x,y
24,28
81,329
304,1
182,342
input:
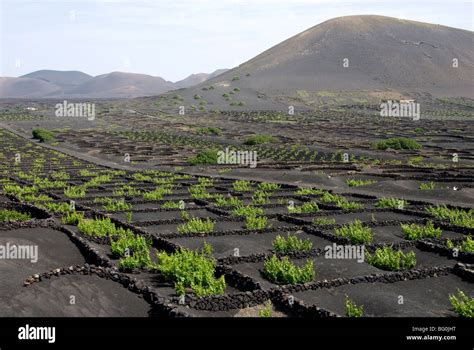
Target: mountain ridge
x,y
350,58
76,84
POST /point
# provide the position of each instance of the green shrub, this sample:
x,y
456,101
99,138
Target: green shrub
x,y
134,250
284,271
126,190
172,205
388,259
157,194
197,225
242,186
256,223
352,310
141,177
291,244
427,186
391,203
26,176
466,245
101,200
260,197
194,270
56,207
458,217
35,198
100,228
309,191
357,183
43,135
130,245
355,232
128,264
75,192
340,201
346,205
305,208
205,181
185,215
462,304
199,192
235,78
259,139
415,160
204,157
97,181
116,205
247,210
327,197
211,130
223,201
167,181
72,218
19,191
414,231
266,312
87,173
224,170
324,221
7,215
46,183
267,186
398,143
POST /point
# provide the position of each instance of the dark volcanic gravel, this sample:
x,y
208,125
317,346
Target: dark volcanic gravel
x,y
421,298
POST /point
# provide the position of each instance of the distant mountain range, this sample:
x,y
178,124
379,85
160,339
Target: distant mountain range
x,y
75,84
195,79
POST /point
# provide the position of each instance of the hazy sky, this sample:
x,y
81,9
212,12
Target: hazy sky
x,y
175,38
